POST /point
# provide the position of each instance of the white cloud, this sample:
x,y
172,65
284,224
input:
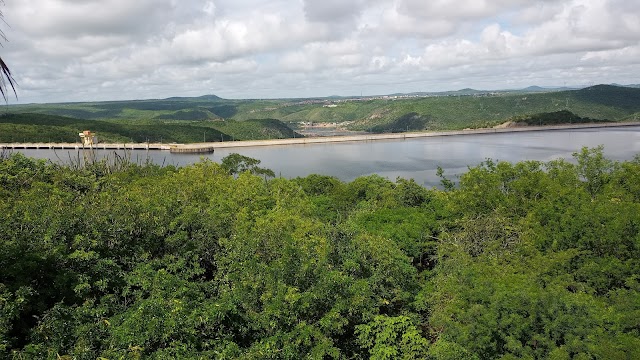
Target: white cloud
x,y
324,55
278,48
332,10
229,39
403,24
90,17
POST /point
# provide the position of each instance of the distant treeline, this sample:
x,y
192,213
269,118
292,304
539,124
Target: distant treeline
x,y
114,260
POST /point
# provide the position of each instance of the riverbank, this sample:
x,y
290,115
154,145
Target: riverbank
x,y
199,148
410,135
210,146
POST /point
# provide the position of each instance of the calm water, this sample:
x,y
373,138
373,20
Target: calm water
x,y
412,158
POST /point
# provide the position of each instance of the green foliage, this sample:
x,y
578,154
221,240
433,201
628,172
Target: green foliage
x,y
191,114
46,128
316,185
411,121
621,97
593,168
529,261
392,338
554,118
236,164
518,261
261,129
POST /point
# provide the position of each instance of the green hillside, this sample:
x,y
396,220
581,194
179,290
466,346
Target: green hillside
x,y
477,111
553,118
29,127
602,102
452,110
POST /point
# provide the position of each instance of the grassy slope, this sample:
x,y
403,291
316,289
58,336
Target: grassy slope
x,y
434,113
553,118
256,129
41,127
52,128
454,112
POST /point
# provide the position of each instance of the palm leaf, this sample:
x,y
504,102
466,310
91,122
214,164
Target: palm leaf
x,y
6,79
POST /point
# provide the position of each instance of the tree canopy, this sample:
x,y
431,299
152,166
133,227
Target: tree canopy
x,y
126,261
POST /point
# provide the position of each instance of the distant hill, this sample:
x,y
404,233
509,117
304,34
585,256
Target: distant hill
x,y
51,128
448,111
465,108
203,97
614,96
28,127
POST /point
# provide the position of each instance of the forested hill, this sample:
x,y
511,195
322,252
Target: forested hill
x,y
120,261
453,110
615,96
30,127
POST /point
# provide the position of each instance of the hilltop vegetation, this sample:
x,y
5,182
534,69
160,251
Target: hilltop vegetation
x,y
455,110
119,261
30,127
554,118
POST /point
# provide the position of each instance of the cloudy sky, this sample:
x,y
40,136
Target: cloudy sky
x,y
77,50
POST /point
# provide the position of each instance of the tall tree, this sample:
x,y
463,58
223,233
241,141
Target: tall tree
x,y
6,79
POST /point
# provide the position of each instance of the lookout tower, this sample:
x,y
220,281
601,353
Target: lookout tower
x,y
88,138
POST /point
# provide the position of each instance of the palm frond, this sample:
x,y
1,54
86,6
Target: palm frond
x,y
6,79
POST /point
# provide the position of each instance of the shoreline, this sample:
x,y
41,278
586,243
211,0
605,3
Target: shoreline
x,y
401,136
210,146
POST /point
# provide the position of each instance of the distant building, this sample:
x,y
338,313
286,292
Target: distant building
x,y
88,138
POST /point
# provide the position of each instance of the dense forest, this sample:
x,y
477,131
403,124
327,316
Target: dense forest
x,y
115,260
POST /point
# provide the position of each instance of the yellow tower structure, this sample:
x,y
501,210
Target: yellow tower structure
x,y
88,138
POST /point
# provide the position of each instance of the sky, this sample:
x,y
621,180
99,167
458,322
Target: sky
x,y
94,50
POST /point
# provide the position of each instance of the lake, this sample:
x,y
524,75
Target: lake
x,y
416,158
